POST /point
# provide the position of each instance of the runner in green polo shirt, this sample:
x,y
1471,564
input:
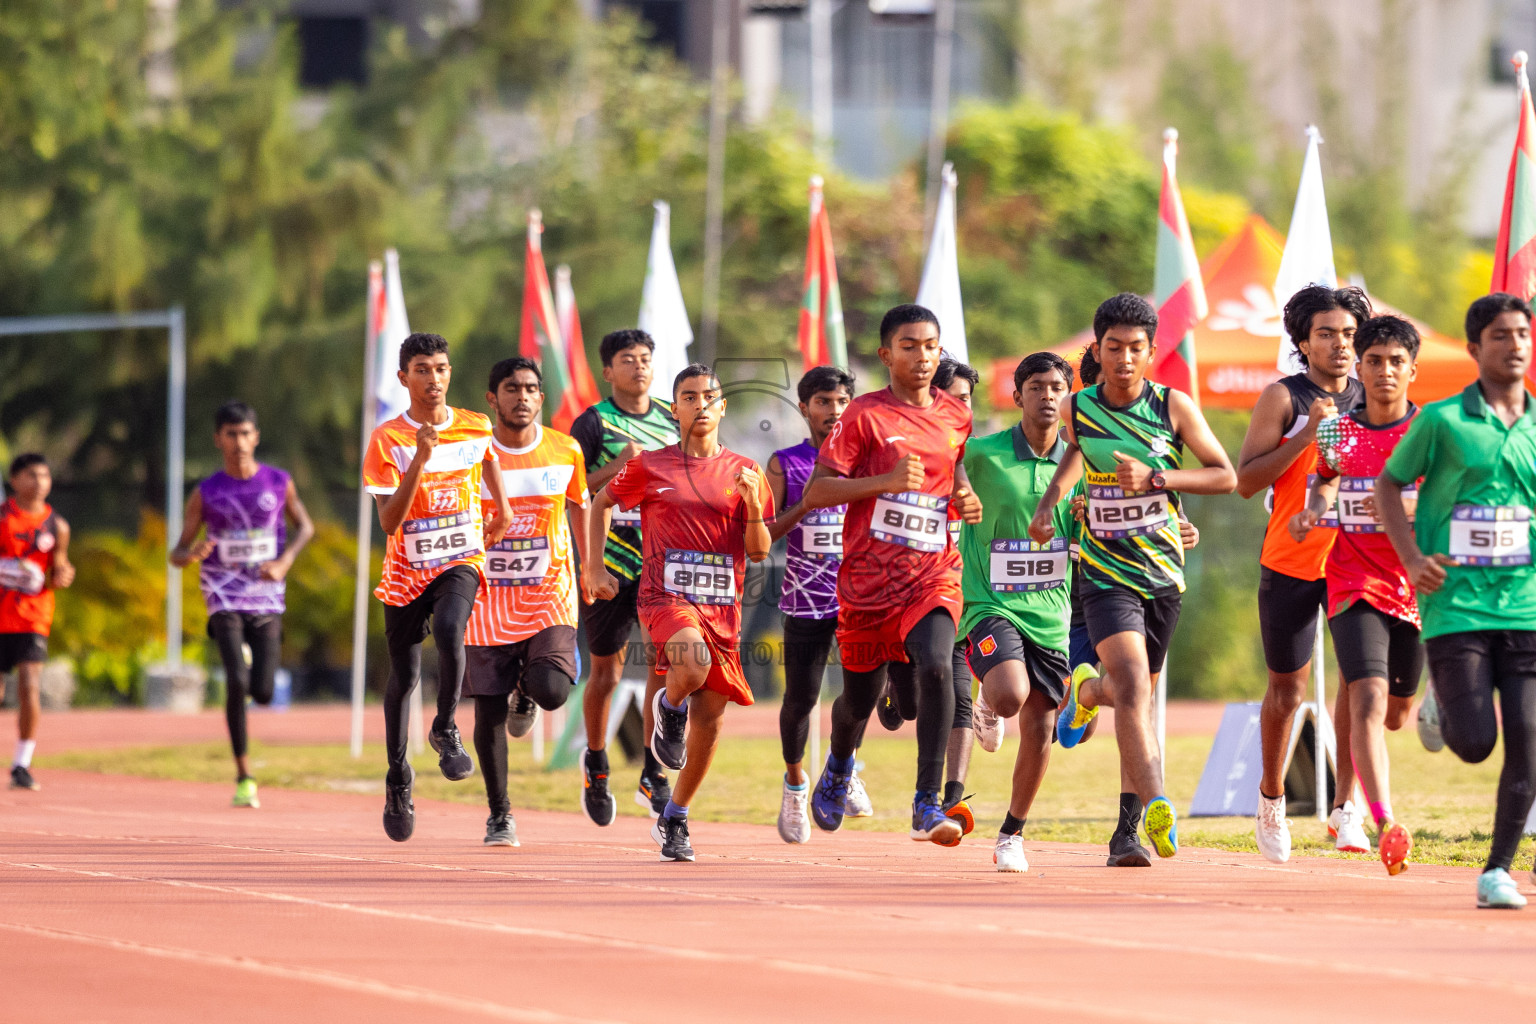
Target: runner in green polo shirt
x,y
1469,556
1017,601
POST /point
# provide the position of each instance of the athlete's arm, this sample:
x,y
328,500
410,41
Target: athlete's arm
x,y
1426,572
826,488
496,529
600,476
1266,453
1216,475
63,571
579,517
1189,534
186,552
304,530
393,507
787,517
596,580
750,483
1042,525
1322,494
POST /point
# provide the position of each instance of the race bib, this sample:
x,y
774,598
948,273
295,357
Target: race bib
x,y
1019,566
517,563
954,531
21,574
912,520
438,540
703,577
630,519
246,547
1353,505
821,535
1491,535
1113,514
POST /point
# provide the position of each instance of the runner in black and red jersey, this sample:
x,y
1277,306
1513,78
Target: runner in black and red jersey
x,y
893,459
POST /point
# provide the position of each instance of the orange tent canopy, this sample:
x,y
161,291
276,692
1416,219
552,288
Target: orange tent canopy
x,y
1238,345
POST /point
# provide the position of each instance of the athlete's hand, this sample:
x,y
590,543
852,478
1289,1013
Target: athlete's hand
x,y
598,583
274,570
749,483
1080,507
1301,524
496,526
965,502
1041,528
1320,409
1427,572
906,475
201,550
626,453
1368,506
1188,533
1134,474
63,573
426,440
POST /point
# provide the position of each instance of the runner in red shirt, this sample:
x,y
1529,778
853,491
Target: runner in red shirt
x,y
703,513
894,460
1372,611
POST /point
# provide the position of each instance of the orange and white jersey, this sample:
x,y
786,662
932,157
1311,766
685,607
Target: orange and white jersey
x,y
444,525
530,576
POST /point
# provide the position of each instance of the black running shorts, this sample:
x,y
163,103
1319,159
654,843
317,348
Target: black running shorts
x,y
1117,610
995,640
16,648
1288,609
412,622
1370,644
610,623
495,671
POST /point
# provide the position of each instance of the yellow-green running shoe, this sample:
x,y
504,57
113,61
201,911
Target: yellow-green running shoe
x,y
245,794
1073,719
1162,824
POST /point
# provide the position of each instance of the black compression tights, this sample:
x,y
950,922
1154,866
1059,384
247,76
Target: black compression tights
x,y
549,688
930,646
449,617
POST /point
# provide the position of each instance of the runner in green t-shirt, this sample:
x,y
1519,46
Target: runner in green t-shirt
x,y
1468,554
1016,591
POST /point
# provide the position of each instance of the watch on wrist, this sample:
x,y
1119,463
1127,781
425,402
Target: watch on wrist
x,y
1159,482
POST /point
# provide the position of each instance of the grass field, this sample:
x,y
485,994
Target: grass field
x,y
1448,804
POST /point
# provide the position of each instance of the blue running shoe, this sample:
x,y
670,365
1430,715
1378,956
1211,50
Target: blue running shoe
x,y
1497,891
1072,721
829,799
1162,824
930,824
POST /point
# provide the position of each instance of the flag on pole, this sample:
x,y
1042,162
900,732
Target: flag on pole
x,y
662,313
539,338
821,336
1177,290
393,328
583,393
939,289
1514,255
1308,256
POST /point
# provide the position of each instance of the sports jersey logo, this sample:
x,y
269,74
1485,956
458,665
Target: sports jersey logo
x,y
987,646
267,502
45,541
442,499
523,524
1159,447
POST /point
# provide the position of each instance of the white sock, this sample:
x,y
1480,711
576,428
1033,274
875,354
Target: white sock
x,y
24,750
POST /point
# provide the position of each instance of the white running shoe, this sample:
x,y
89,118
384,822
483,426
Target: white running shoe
x,y
986,723
1272,830
1348,829
856,804
1008,854
1429,722
794,822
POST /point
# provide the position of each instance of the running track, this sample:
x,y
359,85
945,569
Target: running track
x,y
131,900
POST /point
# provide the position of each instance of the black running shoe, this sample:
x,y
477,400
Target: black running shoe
x,y
452,758
672,834
653,792
21,778
1126,851
399,813
887,711
597,800
521,713
669,739
501,830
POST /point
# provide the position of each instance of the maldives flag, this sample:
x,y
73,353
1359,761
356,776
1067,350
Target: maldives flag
x,y
583,392
1514,257
539,339
1177,291
821,335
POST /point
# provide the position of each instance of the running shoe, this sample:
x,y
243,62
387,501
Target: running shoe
x,y
1394,844
1008,854
1348,829
597,800
399,813
21,778
887,711
986,723
245,794
653,792
1073,719
794,822
930,824
452,758
672,835
1429,722
501,830
669,741
960,810
1162,825
856,804
1497,891
829,798
1126,851
1271,829
522,712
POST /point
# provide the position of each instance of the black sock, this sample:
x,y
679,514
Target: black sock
x,y
1011,826
652,766
1130,812
597,760
954,792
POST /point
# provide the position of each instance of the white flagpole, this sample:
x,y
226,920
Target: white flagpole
x,y
360,588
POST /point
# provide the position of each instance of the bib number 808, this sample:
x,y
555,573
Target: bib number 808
x,y
911,522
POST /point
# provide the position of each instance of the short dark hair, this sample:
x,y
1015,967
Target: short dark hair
x,y
1041,362
1486,310
421,344
899,316
1124,310
232,414
615,342
1378,330
1088,367
693,370
824,378
1319,298
507,367
26,460
949,369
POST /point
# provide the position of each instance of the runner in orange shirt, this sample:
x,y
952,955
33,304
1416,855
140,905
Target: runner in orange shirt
x,y
34,560
521,641
424,469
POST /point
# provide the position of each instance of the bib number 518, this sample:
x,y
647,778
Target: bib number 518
x,y
1031,567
